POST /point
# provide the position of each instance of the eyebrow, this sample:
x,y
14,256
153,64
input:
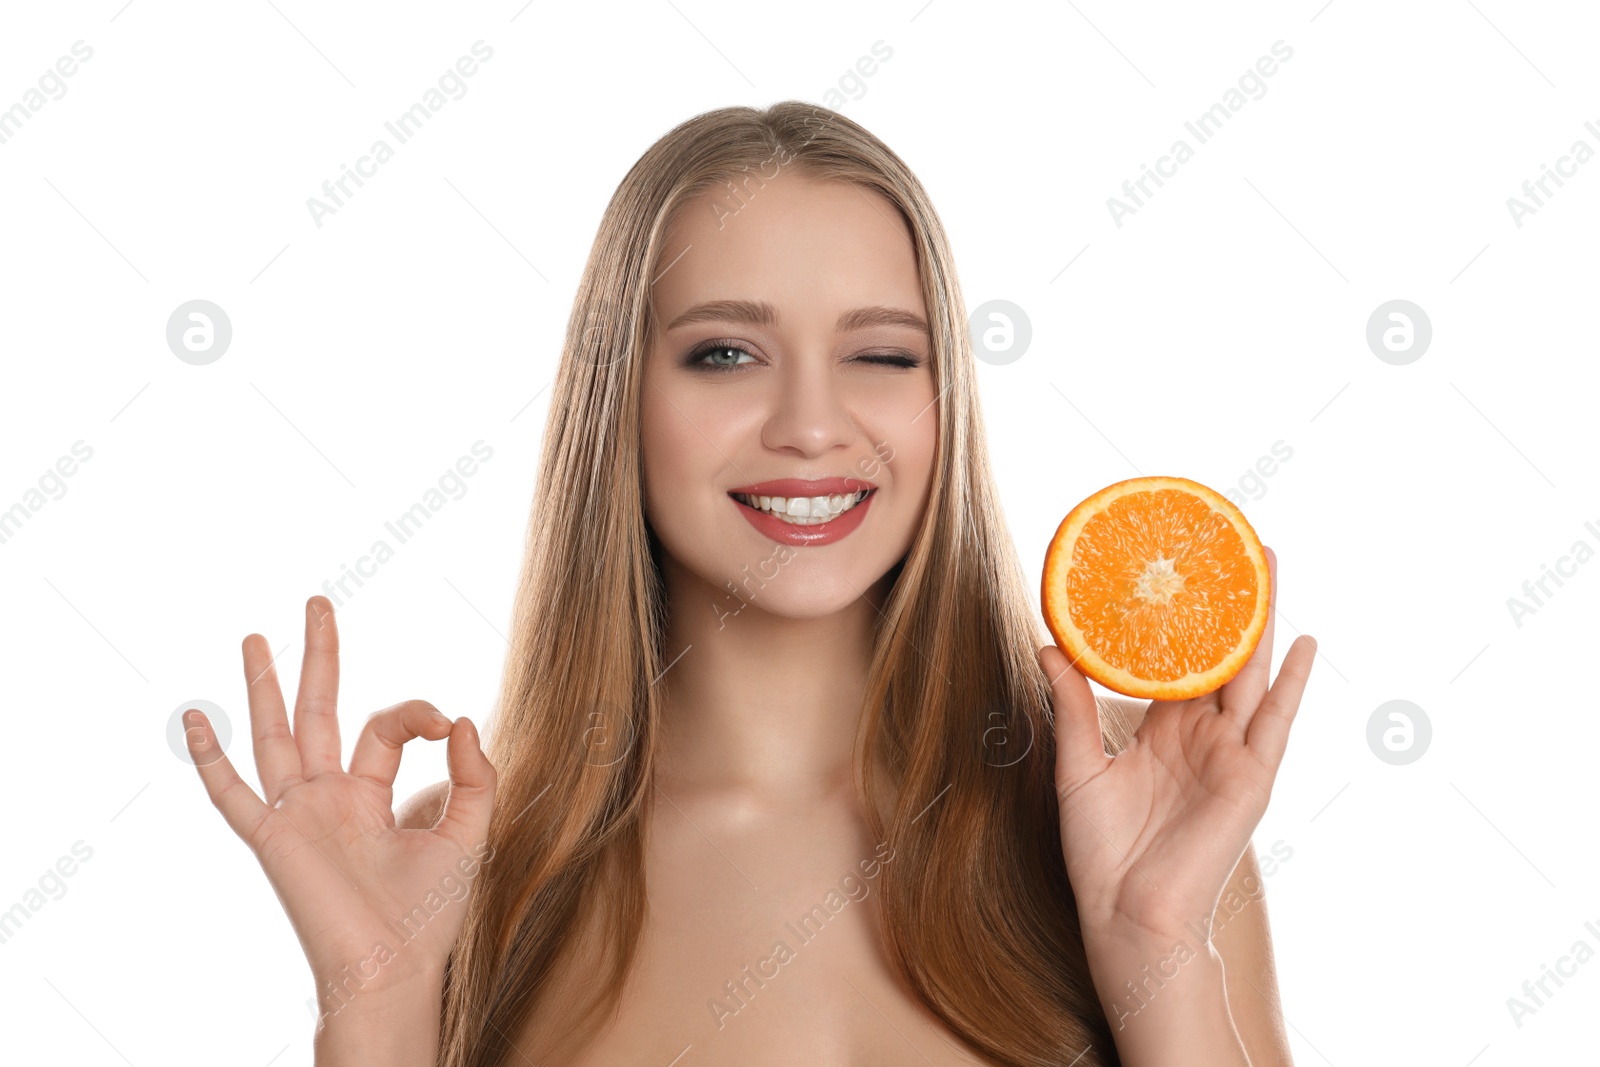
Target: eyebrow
x,y
761,313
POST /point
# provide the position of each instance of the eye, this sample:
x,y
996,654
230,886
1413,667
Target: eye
x,y
891,359
715,356
698,358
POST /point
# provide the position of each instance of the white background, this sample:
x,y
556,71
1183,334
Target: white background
x,y
1227,314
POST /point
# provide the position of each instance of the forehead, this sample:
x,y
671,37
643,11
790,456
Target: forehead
x,y
810,247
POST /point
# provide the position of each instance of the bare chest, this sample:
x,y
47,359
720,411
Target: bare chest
x,y
761,946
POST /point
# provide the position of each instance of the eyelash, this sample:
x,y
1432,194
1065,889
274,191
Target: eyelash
x,y
692,360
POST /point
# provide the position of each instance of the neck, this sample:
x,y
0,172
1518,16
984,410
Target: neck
x,y
756,704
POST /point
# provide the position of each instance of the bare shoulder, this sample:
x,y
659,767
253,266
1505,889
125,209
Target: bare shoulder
x,y
421,810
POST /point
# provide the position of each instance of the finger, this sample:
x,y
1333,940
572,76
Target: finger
x,y
1269,729
1242,695
316,720
1080,750
243,810
277,758
377,752
470,802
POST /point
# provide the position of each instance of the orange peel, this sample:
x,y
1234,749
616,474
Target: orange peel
x,y
1157,587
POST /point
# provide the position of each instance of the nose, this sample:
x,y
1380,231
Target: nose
x,y
809,414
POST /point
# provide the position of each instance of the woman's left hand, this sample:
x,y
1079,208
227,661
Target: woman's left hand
x,y
1151,835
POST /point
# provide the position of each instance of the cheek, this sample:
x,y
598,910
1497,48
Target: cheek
x,y
913,465
658,454
685,443
906,439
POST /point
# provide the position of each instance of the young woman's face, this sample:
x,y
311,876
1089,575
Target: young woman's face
x,y
790,345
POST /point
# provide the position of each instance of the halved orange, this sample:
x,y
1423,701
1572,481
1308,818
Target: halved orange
x,y
1156,587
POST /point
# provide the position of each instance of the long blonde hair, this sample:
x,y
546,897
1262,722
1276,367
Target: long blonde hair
x,y
978,918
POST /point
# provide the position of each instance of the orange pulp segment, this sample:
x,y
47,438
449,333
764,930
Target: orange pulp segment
x,y
1156,587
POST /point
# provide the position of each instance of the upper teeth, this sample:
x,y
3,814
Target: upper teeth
x,y
804,510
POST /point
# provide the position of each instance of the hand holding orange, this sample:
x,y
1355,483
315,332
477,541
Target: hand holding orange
x,y
1157,587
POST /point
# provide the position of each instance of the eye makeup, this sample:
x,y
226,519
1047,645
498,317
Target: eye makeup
x,y
695,359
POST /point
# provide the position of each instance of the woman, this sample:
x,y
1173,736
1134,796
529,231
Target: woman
x,y
868,819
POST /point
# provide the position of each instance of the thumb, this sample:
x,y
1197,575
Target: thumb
x,y
1080,752
465,819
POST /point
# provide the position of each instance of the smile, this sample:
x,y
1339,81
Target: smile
x,y
806,521
803,510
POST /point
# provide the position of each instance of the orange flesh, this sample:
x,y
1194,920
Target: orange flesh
x,y
1161,585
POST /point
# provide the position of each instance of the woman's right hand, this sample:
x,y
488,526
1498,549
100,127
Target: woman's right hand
x,y
348,878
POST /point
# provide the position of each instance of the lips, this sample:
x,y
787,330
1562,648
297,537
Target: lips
x,y
793,487
812,536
